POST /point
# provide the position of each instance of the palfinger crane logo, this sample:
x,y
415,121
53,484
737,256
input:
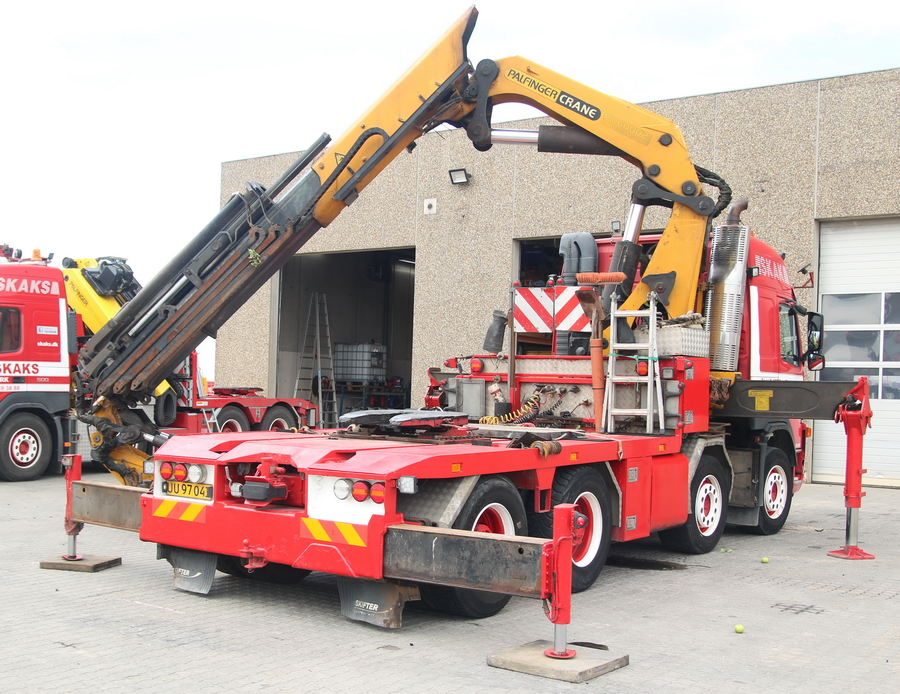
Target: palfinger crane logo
x,y
548,91
533,84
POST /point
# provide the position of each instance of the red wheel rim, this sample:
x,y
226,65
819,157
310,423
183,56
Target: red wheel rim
x,y
586,541
494,518
25,448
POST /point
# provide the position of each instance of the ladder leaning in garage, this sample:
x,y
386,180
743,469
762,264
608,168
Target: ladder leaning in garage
x,y
315,377
630,396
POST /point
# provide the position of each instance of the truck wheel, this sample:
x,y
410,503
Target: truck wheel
x,y
278,418
709,503
25,447
493,507
270,573
584,487
231,419
778,487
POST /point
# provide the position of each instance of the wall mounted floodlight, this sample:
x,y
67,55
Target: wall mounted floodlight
x,y
459,177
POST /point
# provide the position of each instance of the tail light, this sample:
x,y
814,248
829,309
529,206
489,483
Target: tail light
x,y
181,472
360,490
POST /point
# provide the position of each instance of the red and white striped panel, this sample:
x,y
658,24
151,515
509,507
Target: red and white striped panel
x,y
569,315
533,310
541,310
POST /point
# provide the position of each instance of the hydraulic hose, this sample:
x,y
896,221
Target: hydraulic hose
x,y
716,181
526,413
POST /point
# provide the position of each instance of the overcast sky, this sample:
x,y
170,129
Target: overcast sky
x,y
117,115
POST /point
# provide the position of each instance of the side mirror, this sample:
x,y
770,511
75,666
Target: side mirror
x,y
815,361
814,334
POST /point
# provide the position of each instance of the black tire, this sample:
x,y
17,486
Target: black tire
x,y
25,447
232,419
586,488
279,418
270,573
709,506
493,505
778,490
165,409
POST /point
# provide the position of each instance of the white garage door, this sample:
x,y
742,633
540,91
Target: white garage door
x,y
859,295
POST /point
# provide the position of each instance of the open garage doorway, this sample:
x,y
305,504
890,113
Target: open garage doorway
x,y
369,298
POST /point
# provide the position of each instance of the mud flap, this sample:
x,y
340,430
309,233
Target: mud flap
x,y
193,571
743,516
376,602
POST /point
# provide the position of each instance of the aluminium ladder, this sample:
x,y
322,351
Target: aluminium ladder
x,y
622,380
315,377
212,424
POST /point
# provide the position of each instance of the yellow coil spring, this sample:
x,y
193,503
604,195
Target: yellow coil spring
x,y
531,404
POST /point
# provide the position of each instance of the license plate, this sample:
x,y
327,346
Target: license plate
x,y
187,490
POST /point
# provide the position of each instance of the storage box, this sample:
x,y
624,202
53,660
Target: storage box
x,y
362,362
675,340
678,341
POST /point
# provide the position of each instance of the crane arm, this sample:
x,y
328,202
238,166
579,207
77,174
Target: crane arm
x,y
606,125
257,232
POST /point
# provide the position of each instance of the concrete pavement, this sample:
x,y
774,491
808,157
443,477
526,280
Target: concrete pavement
x,y
812,623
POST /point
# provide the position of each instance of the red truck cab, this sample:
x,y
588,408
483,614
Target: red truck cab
x,y
35,361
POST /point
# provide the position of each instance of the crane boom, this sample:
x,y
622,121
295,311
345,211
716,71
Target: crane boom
x,y
259,230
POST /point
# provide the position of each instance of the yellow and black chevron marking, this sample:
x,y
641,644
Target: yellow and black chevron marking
x,y
311,528
180,510
332,531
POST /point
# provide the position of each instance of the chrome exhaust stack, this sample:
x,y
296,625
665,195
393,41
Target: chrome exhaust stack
x,y
725,297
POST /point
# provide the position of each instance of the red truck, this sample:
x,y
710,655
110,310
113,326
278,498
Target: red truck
x,y
328,501
637,413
